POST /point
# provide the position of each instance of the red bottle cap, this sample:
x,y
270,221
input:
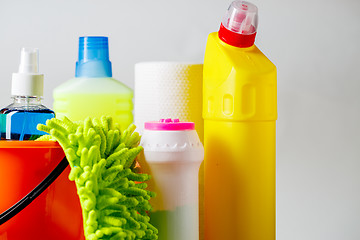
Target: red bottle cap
x,y
239,25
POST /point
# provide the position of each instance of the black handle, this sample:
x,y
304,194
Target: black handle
x,y
31,196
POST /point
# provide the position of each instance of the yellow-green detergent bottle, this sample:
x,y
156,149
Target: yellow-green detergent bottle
x,y
239,110
93,92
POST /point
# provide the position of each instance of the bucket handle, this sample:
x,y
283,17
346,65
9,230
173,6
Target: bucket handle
x,y
33,194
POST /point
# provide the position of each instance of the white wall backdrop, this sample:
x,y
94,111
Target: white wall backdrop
x,y
315,45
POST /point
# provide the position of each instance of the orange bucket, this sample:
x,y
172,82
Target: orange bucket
x,y
56,213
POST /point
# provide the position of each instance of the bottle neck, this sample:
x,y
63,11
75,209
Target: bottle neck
x,y
236,39
27,100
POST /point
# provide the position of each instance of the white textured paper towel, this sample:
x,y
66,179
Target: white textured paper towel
x,y
168,90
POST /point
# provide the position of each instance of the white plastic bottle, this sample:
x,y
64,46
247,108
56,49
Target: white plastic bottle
x,y
173,154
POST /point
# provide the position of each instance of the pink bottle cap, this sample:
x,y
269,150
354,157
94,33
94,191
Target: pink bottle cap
x,y
169,125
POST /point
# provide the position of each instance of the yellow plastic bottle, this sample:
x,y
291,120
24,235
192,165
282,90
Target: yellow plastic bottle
x,y
239,110
93,92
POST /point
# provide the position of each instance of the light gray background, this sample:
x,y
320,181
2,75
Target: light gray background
x,y
314,44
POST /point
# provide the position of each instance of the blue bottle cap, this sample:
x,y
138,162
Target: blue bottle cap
x,y
93,59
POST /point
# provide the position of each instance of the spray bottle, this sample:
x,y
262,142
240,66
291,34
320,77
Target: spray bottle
x,y
19,120
93,92
239,110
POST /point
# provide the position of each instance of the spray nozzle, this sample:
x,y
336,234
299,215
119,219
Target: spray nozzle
x,y
28,81
239,25
29,60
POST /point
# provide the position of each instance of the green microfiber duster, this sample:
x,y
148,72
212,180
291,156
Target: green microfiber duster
x,y
112,193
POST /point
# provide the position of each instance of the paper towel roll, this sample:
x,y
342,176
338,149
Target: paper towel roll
x,y
168,90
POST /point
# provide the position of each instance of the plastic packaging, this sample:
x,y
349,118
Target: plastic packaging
x,y
239,25
173,154
239,110
18,121
93,92
168,90
241,18
56,213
